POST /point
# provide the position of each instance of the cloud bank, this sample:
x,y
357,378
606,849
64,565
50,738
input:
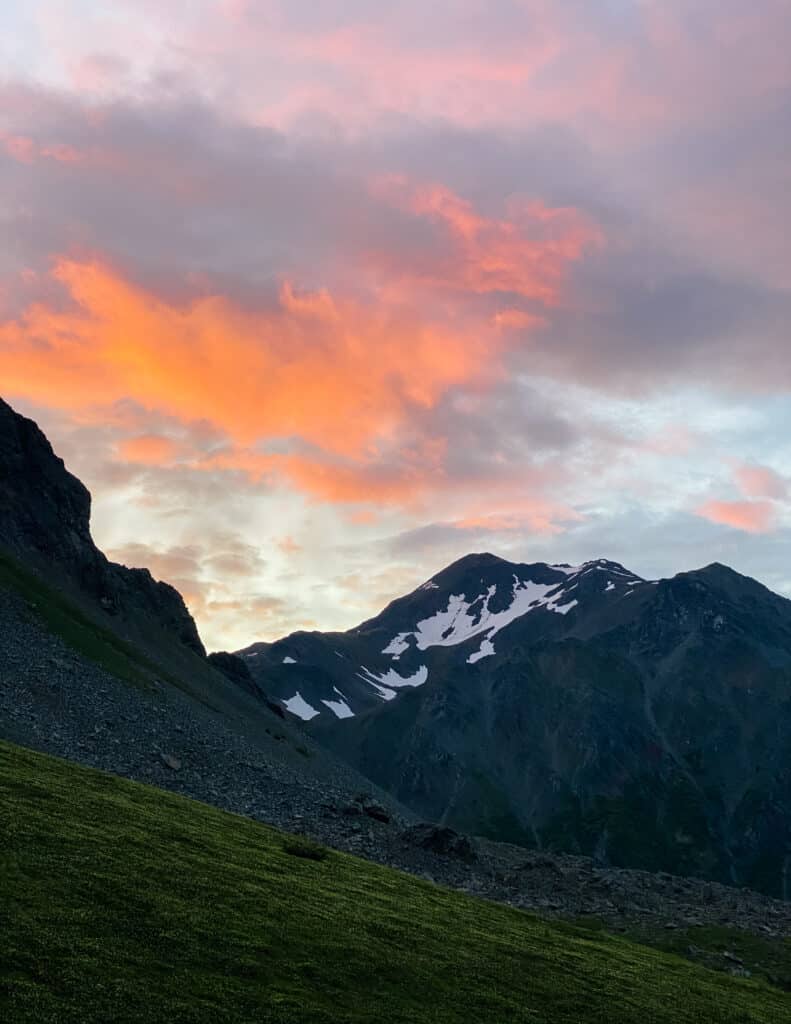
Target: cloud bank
x,y
317,296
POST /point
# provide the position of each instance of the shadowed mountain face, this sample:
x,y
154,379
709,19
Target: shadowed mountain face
x,y
45,523
570,707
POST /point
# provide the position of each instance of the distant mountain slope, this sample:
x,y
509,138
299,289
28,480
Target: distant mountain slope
x,y
123,903
570,707
466,608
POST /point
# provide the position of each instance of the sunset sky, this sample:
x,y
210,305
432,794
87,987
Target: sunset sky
x,y
318,295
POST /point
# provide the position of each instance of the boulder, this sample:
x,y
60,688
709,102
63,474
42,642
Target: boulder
x,y
438,839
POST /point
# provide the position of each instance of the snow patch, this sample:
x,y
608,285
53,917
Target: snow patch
x,y
289,661
381,691
455,624
298,706
392,680
610,586
397,645
339,707
485,651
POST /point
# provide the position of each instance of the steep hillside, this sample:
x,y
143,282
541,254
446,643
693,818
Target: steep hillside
x,y
122,903
45,525
577,708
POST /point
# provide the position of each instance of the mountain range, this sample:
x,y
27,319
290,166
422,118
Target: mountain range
x,y
645,723
574,708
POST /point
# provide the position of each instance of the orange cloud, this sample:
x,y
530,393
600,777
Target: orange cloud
x,y
750,516
335,379
516,319
331,371
148,450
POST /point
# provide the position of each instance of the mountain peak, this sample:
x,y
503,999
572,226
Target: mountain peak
x,y
45,524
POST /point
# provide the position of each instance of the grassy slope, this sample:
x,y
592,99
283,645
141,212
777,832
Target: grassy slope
x,y
122,903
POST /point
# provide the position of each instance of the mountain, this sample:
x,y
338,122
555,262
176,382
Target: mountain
x,y
463,608
577,708
45,524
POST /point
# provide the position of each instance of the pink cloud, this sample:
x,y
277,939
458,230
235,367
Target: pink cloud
x,y
760,482
749,516
528,253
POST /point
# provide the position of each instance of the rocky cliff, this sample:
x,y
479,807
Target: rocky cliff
x,y
45,524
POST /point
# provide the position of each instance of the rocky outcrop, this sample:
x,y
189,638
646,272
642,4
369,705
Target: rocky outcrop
x,y
444,841
235,669
45,524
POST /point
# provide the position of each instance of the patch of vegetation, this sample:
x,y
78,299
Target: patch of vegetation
x,y
720,949
301,846
717,948
122,903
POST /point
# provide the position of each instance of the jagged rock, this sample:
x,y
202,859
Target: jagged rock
x,y
542,862
174,763
440,840
377,812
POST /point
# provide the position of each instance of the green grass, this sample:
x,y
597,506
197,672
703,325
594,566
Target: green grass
x,y
765,956
120,903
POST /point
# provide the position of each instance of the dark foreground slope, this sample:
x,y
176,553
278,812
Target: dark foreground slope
x,y
122,903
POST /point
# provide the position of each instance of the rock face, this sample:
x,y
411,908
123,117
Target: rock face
x,y
235,669
45,523
570,708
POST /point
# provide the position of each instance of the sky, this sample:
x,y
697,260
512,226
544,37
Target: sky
x,y
317,296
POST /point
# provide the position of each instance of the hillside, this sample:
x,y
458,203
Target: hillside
x,y
582,709
120,902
